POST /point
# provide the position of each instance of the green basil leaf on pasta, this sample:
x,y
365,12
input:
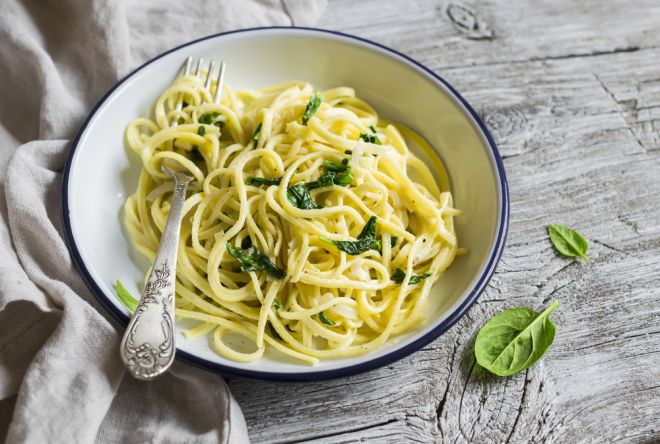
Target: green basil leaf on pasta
x,y
254,260
312,107
366,240
371,137
568,242
399,275
333,174
257,135
324,319
300,197
256,181
201,130
277,304
514,340
209,118
393,241
125,297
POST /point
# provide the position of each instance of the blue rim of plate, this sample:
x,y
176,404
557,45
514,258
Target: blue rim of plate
x,y
374,363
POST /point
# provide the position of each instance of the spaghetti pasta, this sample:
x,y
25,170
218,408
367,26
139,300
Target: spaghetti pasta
x,y
311,228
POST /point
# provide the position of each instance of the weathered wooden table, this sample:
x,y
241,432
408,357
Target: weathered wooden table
x,y
571,93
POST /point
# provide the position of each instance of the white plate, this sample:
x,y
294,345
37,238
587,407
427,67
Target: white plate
x,y
101,172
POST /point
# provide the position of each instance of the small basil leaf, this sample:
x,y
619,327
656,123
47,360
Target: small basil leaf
x,y
263,181
125,297
399,275
514,340
257,135
325,320
254,260
300,197
312,107
277,304
201,130
209,118
366,240
393,241
568,242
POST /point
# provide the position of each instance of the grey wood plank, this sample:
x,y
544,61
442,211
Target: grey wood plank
x,y
571,92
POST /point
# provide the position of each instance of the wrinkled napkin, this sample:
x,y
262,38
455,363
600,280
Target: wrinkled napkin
x,y
61,379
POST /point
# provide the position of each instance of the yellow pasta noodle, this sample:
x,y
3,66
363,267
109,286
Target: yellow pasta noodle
x,y
311,231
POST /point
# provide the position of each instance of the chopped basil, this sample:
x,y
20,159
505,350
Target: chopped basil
x,y
393,241
312,107
334,174
366,240
201,130
371,137
349,152
263,181
325,320
257,135
277,304
209,118
399,275
300,197
254,260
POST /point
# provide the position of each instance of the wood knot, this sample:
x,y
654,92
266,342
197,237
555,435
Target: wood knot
x,y
466,20
510,128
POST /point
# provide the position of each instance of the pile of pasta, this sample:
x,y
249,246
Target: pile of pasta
x,y
304,231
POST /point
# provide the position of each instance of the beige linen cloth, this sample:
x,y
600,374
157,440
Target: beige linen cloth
x,y
61,379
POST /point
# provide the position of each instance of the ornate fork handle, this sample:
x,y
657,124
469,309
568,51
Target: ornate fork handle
x,y
148,346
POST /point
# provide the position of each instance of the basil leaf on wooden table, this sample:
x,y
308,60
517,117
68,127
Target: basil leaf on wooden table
x,y
514,340
254,260
125,297
568,242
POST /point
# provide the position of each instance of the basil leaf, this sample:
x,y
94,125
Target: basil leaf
x,y
300,197
263,181
399,275
325,320
568,242
334,174
371,137
393,241
257,135
312,107
366,240
277,304
201,130
514,340
209,118
125,297
254,260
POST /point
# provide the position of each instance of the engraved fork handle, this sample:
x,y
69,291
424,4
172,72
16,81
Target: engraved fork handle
x,y
148,346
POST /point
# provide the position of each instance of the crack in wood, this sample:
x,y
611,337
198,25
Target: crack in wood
x,y
520,407
339,433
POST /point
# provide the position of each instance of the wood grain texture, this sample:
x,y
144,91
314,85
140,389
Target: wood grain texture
x,y
571,93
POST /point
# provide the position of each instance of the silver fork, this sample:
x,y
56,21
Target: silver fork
x,y
149,343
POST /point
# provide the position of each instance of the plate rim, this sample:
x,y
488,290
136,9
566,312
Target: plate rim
x,y
376,362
